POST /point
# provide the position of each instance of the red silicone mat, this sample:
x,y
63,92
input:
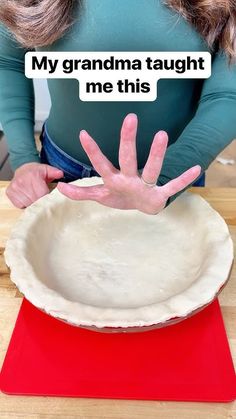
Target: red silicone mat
x,y
189,361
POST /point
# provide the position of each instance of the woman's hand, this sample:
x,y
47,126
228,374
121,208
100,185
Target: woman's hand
x,y
124,188
30,183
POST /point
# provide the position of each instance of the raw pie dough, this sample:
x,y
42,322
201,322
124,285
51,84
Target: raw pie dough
x,y
96,266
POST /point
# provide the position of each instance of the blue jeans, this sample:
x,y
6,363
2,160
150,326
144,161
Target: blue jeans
x,y
51,154
200,181
73,169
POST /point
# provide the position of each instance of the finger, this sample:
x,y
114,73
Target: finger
x,y
25,188
93,193
18,191
18,199
127,149
17,203
26,202
181,182
14,199
39,189
152,168
100,163
51,173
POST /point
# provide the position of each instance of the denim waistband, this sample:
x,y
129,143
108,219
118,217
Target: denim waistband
x,y
55,156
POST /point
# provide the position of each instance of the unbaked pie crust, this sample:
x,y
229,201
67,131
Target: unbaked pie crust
x,y
91,265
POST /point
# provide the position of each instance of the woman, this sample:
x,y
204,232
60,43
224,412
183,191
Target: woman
x,y
199,116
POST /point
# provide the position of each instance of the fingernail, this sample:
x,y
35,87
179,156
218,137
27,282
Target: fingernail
x,y
82,132
162,135
130,118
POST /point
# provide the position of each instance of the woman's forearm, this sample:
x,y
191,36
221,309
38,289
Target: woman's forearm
x,y
212,128
16,102
17,117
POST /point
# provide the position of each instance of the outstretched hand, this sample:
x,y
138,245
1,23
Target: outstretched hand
x,y
125,188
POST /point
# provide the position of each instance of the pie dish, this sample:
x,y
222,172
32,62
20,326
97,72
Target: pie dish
x,y
109,269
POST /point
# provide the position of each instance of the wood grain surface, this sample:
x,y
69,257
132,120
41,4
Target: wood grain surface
x,y
15,407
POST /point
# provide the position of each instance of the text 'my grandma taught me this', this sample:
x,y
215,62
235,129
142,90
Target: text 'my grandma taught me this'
x,y
118,76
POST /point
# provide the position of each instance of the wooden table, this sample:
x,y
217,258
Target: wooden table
x,y
224,201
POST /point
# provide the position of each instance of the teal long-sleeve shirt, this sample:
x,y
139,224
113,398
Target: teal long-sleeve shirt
x,y
199,115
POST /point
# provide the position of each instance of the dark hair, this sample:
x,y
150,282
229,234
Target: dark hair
x,y
41,22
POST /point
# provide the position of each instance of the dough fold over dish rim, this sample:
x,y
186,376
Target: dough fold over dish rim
x,y
181,305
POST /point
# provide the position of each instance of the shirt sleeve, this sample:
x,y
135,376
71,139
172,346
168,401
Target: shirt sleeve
x,y
16,102
212,128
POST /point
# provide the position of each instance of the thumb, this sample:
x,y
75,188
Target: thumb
x,y
52,173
